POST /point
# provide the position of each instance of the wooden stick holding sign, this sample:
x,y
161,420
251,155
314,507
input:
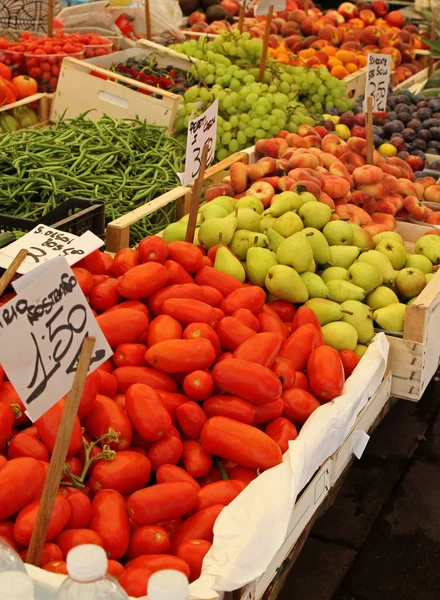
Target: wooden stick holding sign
x,y
241,16
265,44
433,34
369,131
55,472
195,198
8,275
147,20
50,18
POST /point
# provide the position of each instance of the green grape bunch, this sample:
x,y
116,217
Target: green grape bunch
x,y
228,69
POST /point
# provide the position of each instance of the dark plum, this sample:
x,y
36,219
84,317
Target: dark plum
x,y
403,98
377,141
405,117
378,130
409,135
391,128
419,145
398,142
428,123
392,116
418,153
414,124
401,107
422,104
424,113
329,125
403,154
435,165
434,105
425,135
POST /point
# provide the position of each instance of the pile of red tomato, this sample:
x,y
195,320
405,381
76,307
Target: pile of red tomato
x,y
13,89
207,385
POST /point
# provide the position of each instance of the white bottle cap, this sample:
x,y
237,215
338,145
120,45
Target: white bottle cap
x,y
16,585
87,563
168,585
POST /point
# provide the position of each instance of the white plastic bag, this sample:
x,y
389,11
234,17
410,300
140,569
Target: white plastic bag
x,y
166,19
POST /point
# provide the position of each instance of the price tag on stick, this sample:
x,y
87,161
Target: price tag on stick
x,y
378,80
202,131
263,7
41,333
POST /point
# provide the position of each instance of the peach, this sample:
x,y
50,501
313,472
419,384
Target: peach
x,y
375,229
415,208
284,183
279,23
391,182
335,17
239,178
370,35
383,219
433,219
338,170
336,187
325,199
380,7
293,42
334,145
377,157
407,188
348,10
391,169
426,181
268,148
331,34
302,175
367,16
357,144
420,189
313,141
322,171
218,189
283,165
296,15
368,174
377,190
288,154
344,214
390,40
320,23
351,160
262,190
328,159
362,216
396,199
356,23
261,169
386,206
395,18
303,160
303,186
396,56
307,25
305,130
402,214
272,180
432,193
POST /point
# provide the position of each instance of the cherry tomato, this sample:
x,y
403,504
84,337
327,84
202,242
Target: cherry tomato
x,y
198,527
143,281
49,423
305,315
158,502
181,356
350,360
108,384
243,444
84,279
181,291
6,424
247,318
125,259
51,552
243,474
147,411
196,459
325,372
26,519
285,310
193,552
177,273
186,254
93,262
299,405
134,580
23,444
8,395
149,539
169,473
127,376
211,295
252,298
232,407
284,370
250,381
166,451
81,508
262,349
104,295
56,566
159,562
136,304
152,249
299,345
198,385
105,414
281,430
189,310
223,282
219,492
171,402
127,472
70,538
163,328
301,381
271,324
89,393
110,521
114,568
135,323
202,330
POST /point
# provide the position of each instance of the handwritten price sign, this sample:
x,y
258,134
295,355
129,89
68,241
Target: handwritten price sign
x,y
44,243
201,130
41,333
263,6
378,80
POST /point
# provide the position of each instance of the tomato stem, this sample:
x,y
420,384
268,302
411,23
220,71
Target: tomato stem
x,y
220,467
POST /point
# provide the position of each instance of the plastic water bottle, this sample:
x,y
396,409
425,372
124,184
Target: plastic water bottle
x,y
87,568
9,559
168,585
15,585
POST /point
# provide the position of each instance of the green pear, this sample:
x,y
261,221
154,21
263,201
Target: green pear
x,y
315,215
364,275
185,218
250,202
288,224
338,233
209,233
334,273
429,276
258,263
271,298
226,201
340,291
360,349
429,246
284,202
243,240
275,239
295,252
387,235
315,286
362,238
307,197
411,302
382,262
312,267
326,311
212,211
318,244
391,317
418,261
361,317
340,336
196,237
247,219
410,282
343,256
175,232
226,262
266,222
285,283
382,296
395,251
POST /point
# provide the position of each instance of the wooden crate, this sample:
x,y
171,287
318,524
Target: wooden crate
x,y
414,83
78,91
414,358
43,105
355,83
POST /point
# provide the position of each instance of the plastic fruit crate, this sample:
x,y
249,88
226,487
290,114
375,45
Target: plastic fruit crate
x,y
113,36
45,68
16,61
93,50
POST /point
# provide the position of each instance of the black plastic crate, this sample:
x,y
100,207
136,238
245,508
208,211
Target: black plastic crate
x,y
75,215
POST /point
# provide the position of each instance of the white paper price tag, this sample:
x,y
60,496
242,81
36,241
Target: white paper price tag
x,y
263,6
41,333
44,243
201,130
248,4
359,441
378,80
